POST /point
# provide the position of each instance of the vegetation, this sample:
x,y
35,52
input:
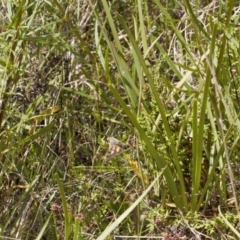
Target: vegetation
x,y
160,78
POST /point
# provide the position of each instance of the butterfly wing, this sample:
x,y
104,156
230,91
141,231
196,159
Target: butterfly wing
x,y
115,147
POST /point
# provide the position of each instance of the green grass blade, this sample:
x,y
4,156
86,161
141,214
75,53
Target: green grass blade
x,y
162,112
120,219
142,27
76,229
68,227
196,164
43,229
157,157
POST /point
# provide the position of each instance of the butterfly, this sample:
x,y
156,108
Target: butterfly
x,y
115,147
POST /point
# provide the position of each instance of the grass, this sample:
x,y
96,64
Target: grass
x,y
161,77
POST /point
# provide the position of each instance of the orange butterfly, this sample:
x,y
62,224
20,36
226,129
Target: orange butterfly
x,y
115,147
